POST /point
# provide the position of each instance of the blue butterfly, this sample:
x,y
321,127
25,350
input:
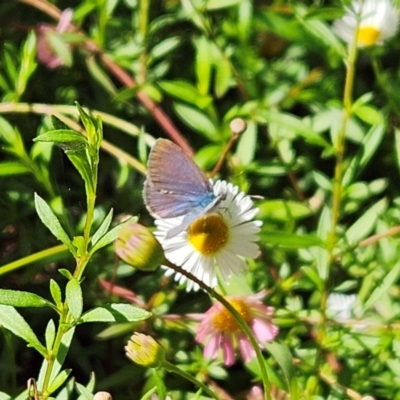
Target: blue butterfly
x,y
176,186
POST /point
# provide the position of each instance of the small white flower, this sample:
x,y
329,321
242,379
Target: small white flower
x,y
220,238
378,21
341,306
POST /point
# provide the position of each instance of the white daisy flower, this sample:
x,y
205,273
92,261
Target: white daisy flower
x,y
219,238
378,21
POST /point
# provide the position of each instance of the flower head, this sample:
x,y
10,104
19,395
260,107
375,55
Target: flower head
x,y
218,238
145,351
220,330
378,20
137,246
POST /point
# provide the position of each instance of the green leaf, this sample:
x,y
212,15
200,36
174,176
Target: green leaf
x,y
59,380
282,210
164,47
366,223
62,353
198,121
383,288
223,76
82,165
85,394
103,228
370,143
204,63
112,235
247,144
117,312
50,334
28,64
369,114
183,90
282,355
68,140
313,276
290,240
218,4
12,320
321,254
74,298
295,125
55,292
17,298
49,219
11,168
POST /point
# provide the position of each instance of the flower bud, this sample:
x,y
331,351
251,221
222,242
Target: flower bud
x,y
238,126
137,246
145,351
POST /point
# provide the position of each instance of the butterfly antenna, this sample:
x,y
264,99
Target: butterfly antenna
x,y
237,127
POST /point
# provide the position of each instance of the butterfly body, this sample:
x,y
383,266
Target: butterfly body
x,y
176,186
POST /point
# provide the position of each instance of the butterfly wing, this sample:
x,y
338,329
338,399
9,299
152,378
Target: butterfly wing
x,y
175,185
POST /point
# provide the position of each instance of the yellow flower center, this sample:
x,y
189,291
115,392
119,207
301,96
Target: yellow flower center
x,y
208,234
224,321
368,36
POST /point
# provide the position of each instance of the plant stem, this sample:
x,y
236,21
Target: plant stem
x,y
242,323
32,258
339,146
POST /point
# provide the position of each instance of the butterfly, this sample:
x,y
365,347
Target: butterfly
x,y
176,186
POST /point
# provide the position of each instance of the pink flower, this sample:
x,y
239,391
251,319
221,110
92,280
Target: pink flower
x,y
220,330
52,51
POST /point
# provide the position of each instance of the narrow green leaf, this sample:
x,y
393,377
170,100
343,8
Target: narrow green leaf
x,y
61,136
50,334
67,139
370,143
223,76
103,228
74,298
12,320
62,353
85,394
55,292
18,298
59,380
321,254
290,240
82,165
295,125
118,312
369,114
282,210
383,288
313,276
365,224
282,355
183,90
203,64
218,4
66,273
11,168
198,121
112,235
247,144
49,219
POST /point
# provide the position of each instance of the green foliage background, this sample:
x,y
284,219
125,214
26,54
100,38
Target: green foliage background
x,y
325,161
